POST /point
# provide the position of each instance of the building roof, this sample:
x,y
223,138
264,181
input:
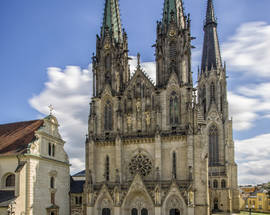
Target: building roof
x,y
79,174
15,137
6,197
76,186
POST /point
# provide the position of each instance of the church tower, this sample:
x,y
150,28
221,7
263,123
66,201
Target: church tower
x,y
173,49
148,143
110,65
212,92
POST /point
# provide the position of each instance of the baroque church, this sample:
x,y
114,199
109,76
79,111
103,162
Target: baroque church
x,y
166,147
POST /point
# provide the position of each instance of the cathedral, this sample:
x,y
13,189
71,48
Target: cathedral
x,y
163,148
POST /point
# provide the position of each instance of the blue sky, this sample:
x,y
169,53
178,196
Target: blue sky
x,y
39,39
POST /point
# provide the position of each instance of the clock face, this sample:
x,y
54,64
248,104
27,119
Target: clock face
x,y
107,45
172,33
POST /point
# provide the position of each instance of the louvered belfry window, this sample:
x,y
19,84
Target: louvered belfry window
x,y
174,165
213,146
173,54
108,121
213,92
174,109
107,168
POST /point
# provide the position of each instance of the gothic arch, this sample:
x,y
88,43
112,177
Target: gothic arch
x,y
174,98
104,200
138,199
174,201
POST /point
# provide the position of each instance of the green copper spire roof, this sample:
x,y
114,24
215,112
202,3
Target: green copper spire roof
x,y
173,9
112,20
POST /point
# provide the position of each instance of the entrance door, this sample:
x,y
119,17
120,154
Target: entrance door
x,y
216,205
174,211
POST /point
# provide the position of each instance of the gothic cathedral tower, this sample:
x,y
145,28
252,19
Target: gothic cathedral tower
x,y
212,91
147,148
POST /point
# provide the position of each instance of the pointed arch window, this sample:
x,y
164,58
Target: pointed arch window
x,y
172,54
174,165
221,99
108,63
173,51
223,184
144,211
213,146
107,168
215,184
174,109
108,121
134,211
52,183
106,211
212,92
204,101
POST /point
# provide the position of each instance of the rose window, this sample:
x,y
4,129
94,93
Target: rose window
x,y
141,164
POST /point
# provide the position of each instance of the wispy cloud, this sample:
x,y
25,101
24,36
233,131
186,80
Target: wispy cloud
x,y
247,51
253,158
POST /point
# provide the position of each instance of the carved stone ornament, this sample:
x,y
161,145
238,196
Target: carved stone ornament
x,y
129,120
147,118
138,105
140,163
107,45
172,33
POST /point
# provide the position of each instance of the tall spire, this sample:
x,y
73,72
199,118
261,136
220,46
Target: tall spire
x,y
211,57
173,9
111,20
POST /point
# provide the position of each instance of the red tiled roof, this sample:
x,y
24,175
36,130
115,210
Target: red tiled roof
x,y
15,137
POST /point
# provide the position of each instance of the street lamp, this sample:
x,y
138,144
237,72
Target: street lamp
x,y
249,209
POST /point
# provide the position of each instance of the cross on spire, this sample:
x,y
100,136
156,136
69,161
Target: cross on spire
x,y
51,109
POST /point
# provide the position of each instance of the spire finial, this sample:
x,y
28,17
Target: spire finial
x,y
138,60
210,14
51,109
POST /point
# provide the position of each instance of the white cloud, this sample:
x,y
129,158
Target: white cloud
x,y
69,92
247,50
253,158
242,110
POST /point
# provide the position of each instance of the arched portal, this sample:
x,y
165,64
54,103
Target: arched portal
x,y
216,204
174,211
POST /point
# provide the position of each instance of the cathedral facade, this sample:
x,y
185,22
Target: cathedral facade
x,y
165,147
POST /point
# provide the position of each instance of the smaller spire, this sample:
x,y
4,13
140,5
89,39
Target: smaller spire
x,y
210,14
138,61
211,58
